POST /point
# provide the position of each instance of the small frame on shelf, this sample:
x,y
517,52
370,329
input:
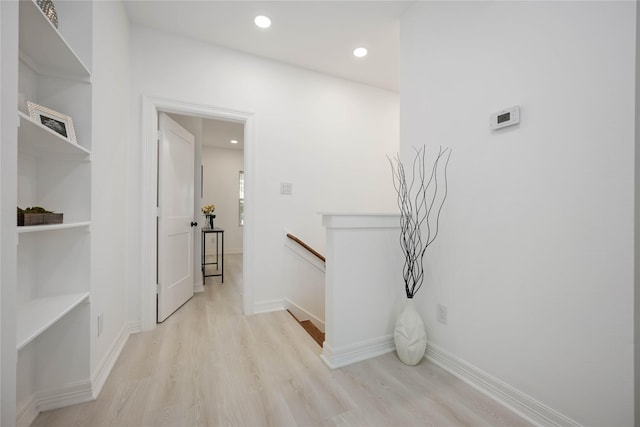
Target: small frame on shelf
x,y
57,122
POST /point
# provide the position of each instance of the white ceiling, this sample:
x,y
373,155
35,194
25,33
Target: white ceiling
x,y
218,133
317,35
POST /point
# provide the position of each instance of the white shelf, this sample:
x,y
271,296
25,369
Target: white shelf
x,y
52,308
38,228
36,138
36,316
43,47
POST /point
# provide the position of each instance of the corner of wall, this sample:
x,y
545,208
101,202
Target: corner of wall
x,y
636,251
8,187
100,375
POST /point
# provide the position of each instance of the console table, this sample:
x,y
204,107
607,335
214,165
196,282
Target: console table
x,y
219,263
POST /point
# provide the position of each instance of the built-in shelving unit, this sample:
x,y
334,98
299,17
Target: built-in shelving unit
x,y
53,290
41,228
36,316
37,139
43,47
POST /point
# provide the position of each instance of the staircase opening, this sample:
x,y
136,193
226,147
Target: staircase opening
x,y
311,329
303,304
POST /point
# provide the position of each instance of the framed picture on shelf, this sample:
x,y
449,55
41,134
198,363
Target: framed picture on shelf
x,y
57,122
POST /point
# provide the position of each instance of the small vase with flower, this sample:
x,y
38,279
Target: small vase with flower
x,y
208,213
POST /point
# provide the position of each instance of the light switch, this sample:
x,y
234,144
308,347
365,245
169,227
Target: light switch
x,y
286,188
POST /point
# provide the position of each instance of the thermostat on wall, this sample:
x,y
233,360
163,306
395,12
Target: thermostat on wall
x,y
504,118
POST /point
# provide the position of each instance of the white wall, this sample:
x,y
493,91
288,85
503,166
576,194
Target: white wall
x,y
327,136
8,186
221,187
109,177
535,254
636,310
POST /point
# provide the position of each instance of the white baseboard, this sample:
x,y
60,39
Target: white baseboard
x,y
233,252
522,404
135,326
72,393
104,368
27,413
302,314
59,397
226,252
346,355
267,306
66,395
198,288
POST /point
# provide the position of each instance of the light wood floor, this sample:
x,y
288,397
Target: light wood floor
x,y
208,365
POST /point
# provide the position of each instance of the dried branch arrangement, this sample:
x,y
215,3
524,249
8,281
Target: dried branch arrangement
x,y
420,201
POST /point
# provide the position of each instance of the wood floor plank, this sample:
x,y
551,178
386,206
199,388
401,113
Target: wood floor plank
x,y
209,365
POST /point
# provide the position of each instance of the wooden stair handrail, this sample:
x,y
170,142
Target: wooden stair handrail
x,y
307,247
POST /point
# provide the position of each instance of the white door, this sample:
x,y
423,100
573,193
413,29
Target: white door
x,y
175,229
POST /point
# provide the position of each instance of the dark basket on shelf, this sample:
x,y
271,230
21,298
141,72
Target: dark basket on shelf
x,y
53,218
25,219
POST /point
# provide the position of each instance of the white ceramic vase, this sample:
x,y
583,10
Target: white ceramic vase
x,y
409,335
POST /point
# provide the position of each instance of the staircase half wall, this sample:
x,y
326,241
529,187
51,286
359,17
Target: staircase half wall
x,y
364,290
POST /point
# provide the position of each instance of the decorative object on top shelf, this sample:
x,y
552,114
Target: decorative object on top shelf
x,y
420,201
208,212
49,10
38,216
57,122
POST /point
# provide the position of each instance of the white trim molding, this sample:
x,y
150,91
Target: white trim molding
x,y
134,327
78,392
233,252
27,414
66,395
198,287
104,368
348,354
149,134
267,306
149,180
522,404
59,397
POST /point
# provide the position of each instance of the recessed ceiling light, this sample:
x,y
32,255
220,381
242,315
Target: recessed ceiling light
x,y
262,21
360,52
233,141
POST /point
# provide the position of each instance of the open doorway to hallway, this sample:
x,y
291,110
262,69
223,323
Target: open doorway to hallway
x,y
149,167
223,187
218,182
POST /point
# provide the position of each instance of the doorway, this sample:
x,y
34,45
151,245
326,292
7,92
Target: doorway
x,y
149,169
222,163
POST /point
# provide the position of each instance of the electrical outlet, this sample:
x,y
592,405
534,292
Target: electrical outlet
x,y
442,314
100,323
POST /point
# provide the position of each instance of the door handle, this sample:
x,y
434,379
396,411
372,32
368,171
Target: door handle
x,y
194,224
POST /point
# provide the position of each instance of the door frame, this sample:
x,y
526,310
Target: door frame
x,y
151,106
